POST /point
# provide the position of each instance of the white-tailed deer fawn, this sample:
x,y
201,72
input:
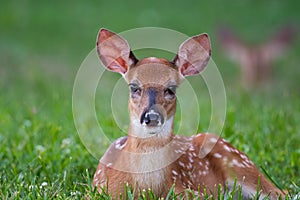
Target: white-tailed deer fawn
x,y
256,61
152,156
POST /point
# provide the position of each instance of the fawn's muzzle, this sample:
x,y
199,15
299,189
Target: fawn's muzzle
x,y
152,116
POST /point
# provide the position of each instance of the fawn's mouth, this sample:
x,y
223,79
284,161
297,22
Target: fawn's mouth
x,y
152,118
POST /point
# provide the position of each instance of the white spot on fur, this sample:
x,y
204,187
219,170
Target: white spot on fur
x,y
178,151
174,172
243,156
226,148
213,140
207,163
246,164
225,141
234,162
206,167
200,173
192,148
181,164
189,166
182,148
217,155
194,176
109,164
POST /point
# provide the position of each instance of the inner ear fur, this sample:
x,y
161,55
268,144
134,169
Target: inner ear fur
x,y
114,51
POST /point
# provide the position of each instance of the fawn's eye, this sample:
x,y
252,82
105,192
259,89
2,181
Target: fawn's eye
x,y
134,89
170,92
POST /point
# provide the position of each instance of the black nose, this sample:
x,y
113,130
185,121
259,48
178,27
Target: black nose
x,y
151,118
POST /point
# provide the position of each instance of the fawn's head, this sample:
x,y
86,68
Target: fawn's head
x,y
152,81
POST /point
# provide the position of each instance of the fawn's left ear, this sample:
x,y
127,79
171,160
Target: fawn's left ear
x,y
114,52
193,55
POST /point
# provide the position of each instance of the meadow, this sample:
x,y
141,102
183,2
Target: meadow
x,y
42,45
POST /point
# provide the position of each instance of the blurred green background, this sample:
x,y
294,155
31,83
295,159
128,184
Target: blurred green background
x,y
54,37
42,44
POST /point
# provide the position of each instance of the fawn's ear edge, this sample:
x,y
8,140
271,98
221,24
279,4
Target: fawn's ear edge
x,y
114,51
193,55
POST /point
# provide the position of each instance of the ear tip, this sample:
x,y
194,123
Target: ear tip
x,y
104,34
205,35
103,30
205,41
202,37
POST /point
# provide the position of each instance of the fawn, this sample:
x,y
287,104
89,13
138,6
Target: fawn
x,y
152,156
256,61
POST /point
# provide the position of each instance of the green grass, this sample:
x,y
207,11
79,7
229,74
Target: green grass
x,y
130,194
42,45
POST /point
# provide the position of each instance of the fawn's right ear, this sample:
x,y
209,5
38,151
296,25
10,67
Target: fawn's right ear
x,y
193,55
114,51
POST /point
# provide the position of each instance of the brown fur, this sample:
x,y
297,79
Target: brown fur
x,y
214,170
155,158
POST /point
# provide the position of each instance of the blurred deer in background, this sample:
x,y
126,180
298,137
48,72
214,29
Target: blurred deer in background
x,y
152,156
256,61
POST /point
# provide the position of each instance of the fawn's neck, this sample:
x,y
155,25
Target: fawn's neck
x,y
147,145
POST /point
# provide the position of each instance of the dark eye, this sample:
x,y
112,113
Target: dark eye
x,y
134,89
170,92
